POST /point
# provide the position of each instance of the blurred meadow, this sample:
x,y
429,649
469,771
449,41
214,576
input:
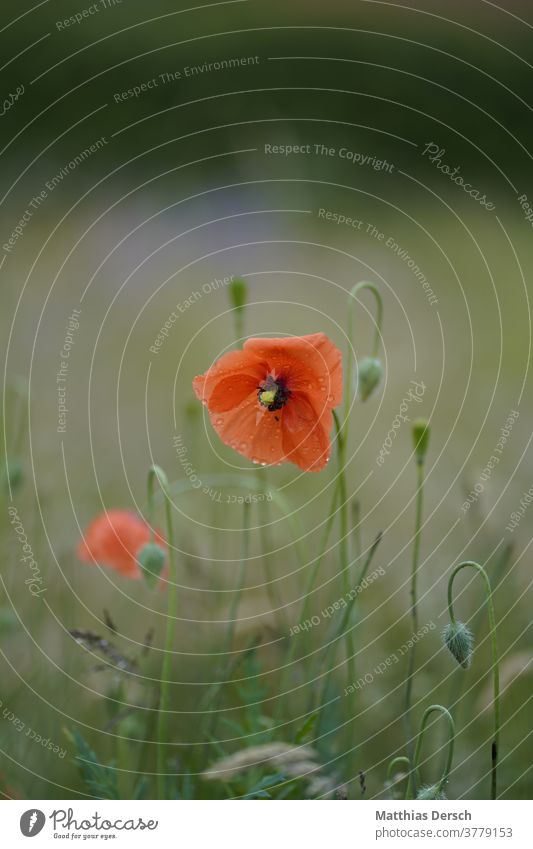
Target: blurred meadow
x,y
181,197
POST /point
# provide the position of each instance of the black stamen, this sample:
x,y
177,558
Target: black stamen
x,y
279,390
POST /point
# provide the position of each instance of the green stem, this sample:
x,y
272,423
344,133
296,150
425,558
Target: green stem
x,y
311,579
356,528
495,661
237,595
345,619
414,617
238,319
451,739
157,473
343,542
225,674
377,335
457,683
395,762
272,588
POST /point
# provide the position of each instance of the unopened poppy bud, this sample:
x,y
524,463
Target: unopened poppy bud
x,y
369,376
420,439
237,293
151,558
192,411
459,640
429,792
12,475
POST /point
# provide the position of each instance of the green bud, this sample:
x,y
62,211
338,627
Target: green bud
x,y
420,438
237,293
192,410
429,792
12,475
369,374
459,640
151,558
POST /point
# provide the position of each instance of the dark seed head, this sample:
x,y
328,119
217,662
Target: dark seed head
x,y
273,393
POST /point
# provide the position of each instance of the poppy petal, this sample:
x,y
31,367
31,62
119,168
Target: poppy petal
x,y
306,439
229,365
252,431
114,539
311,363
232,391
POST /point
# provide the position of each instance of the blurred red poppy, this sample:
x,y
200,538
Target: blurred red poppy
x,y
114,539
272,402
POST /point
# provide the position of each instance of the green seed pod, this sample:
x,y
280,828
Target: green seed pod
x,y
237,293
12,475
420,439
459,640
151,558
369,374
429,792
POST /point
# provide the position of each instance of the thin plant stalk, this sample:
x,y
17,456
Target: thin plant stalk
x,y
214,692
449,756
345,619
495,661
352,300
402,759
237,595
272,590
356,528
414,614
341,445
311,579
156,473
458,679
343,542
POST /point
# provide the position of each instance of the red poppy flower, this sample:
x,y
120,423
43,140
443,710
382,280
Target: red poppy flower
x,y
272,401
114,539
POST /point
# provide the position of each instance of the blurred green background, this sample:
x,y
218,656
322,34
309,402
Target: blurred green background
x,y
182,194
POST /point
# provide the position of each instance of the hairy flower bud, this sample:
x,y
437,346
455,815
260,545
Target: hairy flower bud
x,y
420,439
430,791
459,640
151,559
369,374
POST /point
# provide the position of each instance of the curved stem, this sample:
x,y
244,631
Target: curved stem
x,y
414,617
377,335
451,739
495,660
156,473
396,761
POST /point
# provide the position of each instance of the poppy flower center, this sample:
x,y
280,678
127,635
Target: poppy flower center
x,y
273,393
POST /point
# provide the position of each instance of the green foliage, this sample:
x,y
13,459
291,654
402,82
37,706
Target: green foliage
x,y
100,780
